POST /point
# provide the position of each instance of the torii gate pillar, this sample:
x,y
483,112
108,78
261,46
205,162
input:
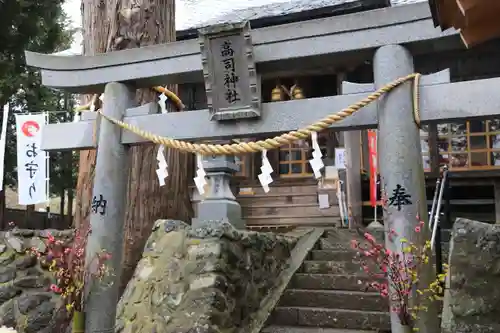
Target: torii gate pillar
x,y
108,209
401,167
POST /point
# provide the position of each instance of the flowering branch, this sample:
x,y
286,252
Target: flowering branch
x,y
67,261
398,271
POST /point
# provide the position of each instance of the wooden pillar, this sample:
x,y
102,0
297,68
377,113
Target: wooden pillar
x,y
4,224
364,151
352,175
29,218
496,186
433,149
331,143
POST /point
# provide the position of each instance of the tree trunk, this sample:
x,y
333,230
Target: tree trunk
x,y
95,23
129,24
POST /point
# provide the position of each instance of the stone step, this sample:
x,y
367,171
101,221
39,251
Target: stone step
x,y
330,281
331,318
289,210
334,299
318,221
342,255
340,240
330,267
341,233
289,199
346,235
302,329
327,243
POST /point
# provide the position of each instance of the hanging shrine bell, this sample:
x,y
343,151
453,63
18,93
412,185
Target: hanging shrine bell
x,y
278,93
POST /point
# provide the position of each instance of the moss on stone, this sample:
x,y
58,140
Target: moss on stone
x,y
472,301
209,279
26,302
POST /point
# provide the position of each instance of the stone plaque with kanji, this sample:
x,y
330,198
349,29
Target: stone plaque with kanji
x,y
232,87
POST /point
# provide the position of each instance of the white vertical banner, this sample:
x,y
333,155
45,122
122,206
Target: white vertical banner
x,y
3,141
47,168
31,160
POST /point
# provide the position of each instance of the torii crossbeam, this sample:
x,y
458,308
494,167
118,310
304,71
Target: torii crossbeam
x,y
439,102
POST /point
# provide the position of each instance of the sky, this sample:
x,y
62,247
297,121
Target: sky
x,y
188,13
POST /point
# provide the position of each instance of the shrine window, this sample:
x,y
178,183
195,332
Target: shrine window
x,y
470,145
424,144
294,158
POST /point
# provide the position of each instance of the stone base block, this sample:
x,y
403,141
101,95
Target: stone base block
x,y
219,210
472,294
209,278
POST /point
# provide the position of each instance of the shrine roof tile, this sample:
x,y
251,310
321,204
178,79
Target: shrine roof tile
x,y
274,10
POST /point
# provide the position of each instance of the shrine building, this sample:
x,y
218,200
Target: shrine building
x,y
471,149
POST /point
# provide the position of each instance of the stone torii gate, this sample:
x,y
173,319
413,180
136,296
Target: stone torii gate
x,y
399,140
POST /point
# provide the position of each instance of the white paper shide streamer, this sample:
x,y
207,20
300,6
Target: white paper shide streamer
x,y
316,162
32,162
162,171
3,141
200,181
266,170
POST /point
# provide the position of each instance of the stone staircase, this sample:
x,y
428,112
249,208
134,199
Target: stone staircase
x,y
327,294
288,205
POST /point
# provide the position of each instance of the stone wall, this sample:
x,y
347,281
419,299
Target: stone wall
x,y
26,302
472,297
210,279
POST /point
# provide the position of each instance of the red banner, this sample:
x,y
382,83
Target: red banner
x,y
372,154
